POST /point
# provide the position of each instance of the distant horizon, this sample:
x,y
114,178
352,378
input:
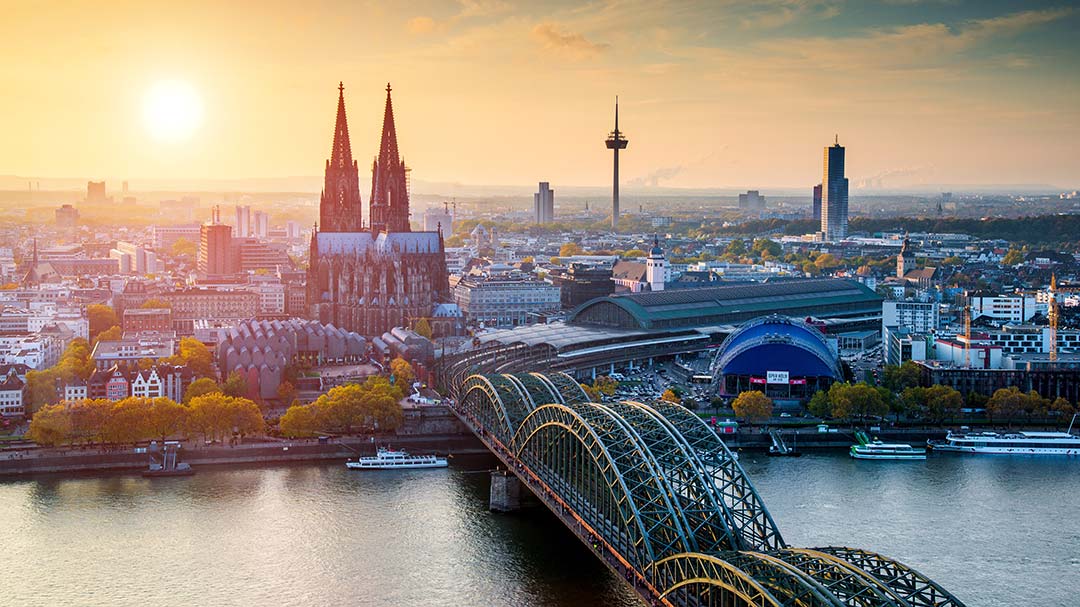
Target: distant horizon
x,y
267,185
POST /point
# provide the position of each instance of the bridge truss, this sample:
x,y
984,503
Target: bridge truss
x,y
665,503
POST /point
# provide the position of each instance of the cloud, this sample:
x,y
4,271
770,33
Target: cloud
x,y
421,25
569,44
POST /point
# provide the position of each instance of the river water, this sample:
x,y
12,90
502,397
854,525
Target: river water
x,y
994,531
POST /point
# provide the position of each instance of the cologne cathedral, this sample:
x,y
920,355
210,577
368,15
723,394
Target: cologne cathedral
x,y
371,279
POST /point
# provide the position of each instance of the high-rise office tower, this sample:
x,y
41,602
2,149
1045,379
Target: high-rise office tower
x,y
243,221
544,204
216,256
817,202
834,195
262,225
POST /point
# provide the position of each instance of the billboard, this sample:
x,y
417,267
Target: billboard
x,y
776,377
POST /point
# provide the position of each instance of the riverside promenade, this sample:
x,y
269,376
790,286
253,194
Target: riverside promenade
x,y
23,461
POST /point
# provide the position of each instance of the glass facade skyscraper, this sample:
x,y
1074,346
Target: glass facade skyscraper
x,y
834,195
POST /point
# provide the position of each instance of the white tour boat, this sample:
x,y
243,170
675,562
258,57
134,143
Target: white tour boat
x,y
1011,443
388,459
876,449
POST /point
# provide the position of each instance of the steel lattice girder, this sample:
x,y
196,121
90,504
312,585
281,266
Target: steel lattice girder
x,y
913,586
702,579
845,581
751,522
694,491
787,583
568,387
645,512
497,402
538,391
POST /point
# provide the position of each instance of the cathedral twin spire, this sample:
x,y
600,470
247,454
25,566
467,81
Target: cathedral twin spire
x,y
340,207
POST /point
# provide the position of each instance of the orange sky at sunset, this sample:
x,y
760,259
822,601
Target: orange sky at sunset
x,y
717,94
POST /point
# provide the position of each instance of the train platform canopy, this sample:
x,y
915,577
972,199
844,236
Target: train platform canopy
x,y
730,304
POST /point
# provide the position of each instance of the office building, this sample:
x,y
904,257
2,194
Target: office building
x,y
544,204
262,225
752,201
67,216
834,195
817,202
243,221
216,251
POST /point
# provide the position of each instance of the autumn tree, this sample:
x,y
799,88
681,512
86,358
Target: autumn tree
x,y
753,406
1062,409
184,247
403,373
605,385
1006,403
569,249
856,400
235,384
286,392
670,396
372,404
166,418
113,333
299,421
128,420
423,328
195,355
592,393
155,303
101,318
50,426
89,419
942,402
203,385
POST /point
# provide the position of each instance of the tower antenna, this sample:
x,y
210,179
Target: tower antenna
x,y
615,142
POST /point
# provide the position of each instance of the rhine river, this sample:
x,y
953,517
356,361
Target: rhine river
x,y
994,531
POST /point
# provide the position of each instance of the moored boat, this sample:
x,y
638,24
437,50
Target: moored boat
x,y
389,459
876,449
1010,443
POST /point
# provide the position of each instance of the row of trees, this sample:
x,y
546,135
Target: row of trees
x,y
102,421
372,405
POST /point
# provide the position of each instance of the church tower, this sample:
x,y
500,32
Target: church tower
x,y
340,209
655,266
389,188
905,261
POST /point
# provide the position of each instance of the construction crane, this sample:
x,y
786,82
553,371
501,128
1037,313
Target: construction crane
x,y
1052,316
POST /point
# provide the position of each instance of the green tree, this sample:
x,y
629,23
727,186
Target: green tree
x,y
1006,403
736,247
235,384
819,405
856,401
899,378
764,247
203,385
101,318
1013,257
943,402
753,406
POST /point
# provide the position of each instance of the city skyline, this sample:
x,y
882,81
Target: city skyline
x,y
716,96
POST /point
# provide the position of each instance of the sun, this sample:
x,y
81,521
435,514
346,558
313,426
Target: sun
x,y
172,110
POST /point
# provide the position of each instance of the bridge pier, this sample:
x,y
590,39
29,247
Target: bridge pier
x,y
505,492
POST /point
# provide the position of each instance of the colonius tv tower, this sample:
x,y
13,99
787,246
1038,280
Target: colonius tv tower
x,y
615,142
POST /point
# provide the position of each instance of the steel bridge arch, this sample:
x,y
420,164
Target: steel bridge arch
x,y
913,586
638,517
751,522
692,575
496,403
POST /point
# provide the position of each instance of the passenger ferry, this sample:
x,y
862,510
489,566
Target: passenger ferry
x,y
388,459
876,449
1011,443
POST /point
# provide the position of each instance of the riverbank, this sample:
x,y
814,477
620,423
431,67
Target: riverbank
x,y
36,461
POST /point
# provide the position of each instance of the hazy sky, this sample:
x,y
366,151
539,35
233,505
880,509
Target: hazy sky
x,y
722,93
